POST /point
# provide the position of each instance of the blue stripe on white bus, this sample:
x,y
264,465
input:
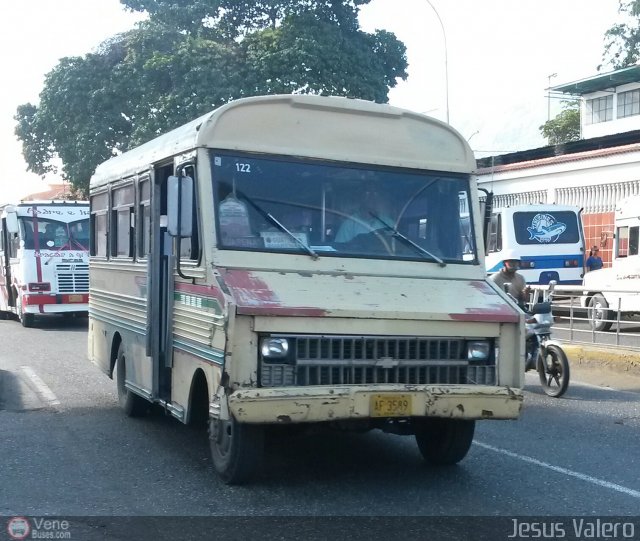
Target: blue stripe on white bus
x,y
546,262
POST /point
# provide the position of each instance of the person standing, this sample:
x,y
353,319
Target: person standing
x,y
594,261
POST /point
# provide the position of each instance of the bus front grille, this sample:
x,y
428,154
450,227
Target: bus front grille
x,y
73,278
339,360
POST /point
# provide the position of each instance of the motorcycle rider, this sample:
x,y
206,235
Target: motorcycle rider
x,y
509,274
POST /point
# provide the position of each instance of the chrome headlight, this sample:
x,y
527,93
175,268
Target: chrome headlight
x,y
274,348
478,350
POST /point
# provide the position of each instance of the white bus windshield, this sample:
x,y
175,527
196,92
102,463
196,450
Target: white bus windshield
x,y
48,234
286,205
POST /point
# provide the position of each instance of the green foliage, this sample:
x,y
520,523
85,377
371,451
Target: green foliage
x,y
191,56
565,127
622,40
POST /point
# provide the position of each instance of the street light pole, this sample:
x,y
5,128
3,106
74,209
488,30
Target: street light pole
x,y
446,66
549,77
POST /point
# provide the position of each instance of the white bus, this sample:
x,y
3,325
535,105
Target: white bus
x,y
300,260
44,247
548,239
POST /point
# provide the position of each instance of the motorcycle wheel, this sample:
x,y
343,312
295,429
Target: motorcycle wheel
x,y
553,370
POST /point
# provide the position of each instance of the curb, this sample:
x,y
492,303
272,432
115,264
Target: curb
x,y
620,359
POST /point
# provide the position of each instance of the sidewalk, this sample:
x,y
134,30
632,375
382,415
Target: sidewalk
x,y
608,367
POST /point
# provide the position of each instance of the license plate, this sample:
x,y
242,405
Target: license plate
x,y
390,405
75,298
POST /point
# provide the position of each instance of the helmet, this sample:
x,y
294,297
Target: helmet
x,y
510,255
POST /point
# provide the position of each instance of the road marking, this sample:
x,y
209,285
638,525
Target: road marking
x,y
41,388
558,469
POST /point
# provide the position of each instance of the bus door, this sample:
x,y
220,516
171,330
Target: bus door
x,y
8,230
160,287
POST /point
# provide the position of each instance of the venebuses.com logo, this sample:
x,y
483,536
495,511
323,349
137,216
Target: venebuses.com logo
x,y
18,528
38,528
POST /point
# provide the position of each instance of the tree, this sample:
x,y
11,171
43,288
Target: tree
x,y
622,40
565,127
191,56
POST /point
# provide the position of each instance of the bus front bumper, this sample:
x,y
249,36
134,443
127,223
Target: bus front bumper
x,y
318,404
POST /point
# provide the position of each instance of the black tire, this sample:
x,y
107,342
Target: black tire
x,y
132,404
236,450
599,313
444,442
554,371
28,320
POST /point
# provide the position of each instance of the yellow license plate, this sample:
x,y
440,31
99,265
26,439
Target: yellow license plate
x,y
390,405
75,298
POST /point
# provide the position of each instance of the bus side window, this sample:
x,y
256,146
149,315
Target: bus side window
x,y
495,233
122,221
144,217
623,242
633,240
99,209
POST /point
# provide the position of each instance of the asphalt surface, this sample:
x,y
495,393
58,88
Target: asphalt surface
x,y
68,451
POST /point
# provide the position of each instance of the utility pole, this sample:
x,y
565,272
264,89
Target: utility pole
x,y
549,77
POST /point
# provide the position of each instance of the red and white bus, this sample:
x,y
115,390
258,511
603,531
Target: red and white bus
x,y
44,249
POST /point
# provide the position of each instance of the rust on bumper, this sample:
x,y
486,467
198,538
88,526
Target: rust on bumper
x,y
308,405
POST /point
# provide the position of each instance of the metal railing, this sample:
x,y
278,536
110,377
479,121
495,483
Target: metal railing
x,y
581,318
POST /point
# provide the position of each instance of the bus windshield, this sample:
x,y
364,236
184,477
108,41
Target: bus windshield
x,y
327,209
48,234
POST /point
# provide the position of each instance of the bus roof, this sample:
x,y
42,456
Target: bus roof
x,y
52,202
307,126
537,207
43,203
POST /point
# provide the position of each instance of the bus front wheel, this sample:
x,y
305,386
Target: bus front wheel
x,y
236,449
444,442
27,320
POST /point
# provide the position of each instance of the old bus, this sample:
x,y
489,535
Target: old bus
x,y
299,260
44,247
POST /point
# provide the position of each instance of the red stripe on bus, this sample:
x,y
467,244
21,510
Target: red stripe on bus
x,y
78,298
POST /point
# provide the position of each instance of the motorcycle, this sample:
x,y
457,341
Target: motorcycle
x,y
544,355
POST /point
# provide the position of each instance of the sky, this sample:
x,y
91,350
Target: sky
x,y
493,72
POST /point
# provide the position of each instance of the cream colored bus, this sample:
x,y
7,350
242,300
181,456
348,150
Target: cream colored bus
x,y
300,260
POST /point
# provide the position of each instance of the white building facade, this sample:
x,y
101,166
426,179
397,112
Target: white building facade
x,y
593,173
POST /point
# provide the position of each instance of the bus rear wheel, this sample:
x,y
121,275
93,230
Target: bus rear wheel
x,y
444,442
236,449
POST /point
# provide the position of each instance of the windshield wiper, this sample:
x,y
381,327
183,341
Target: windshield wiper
x,y
407,240
281,227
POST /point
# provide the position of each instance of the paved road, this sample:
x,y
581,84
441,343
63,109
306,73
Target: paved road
x,y
67,450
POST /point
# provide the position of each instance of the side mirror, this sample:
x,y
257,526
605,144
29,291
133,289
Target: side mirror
x,y
179,206
552,286
12,222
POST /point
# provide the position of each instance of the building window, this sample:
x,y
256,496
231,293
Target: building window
x,y
629,103
599,110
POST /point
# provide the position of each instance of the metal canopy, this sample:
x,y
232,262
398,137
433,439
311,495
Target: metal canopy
x,y
606,81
